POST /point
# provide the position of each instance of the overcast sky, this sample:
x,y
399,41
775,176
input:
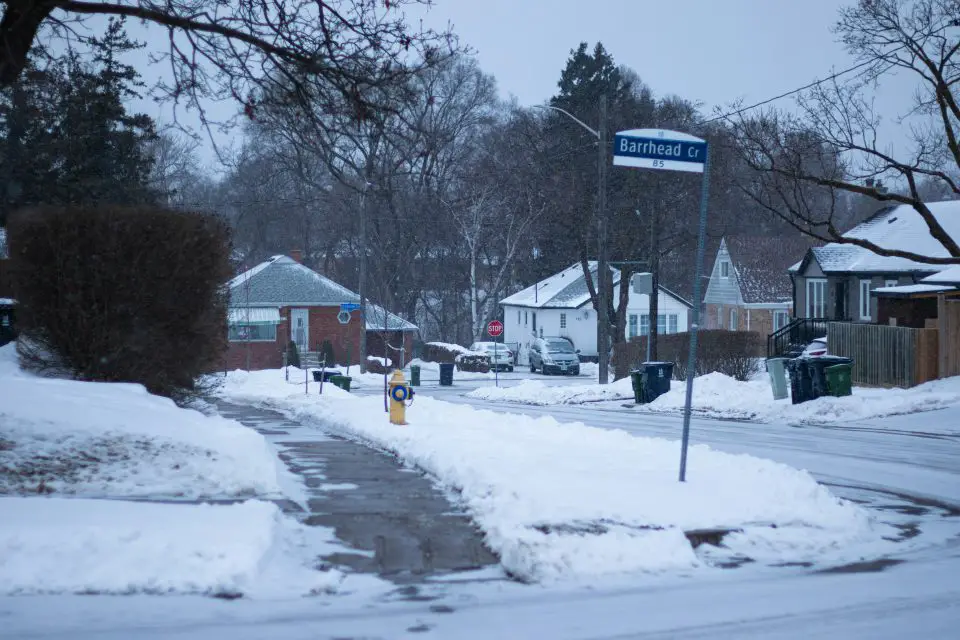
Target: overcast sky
x,y
712,51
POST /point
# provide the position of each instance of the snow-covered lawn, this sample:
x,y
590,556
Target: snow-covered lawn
x,y
559,501
85,440
117,440
62,545
720,396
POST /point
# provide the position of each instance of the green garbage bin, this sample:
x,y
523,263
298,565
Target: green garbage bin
x,y
838,380
636,379
414,375
341,381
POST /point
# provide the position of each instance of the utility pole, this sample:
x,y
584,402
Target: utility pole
x,y
603,270
363,276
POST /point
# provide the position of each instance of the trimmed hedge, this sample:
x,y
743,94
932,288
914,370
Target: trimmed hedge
x,y
733,353
121,294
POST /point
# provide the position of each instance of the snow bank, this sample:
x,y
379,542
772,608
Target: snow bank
x,y
117,440
720,396
539,393
559,501
54,545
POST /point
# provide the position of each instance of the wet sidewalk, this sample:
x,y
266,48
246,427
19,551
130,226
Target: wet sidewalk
x,y
403,527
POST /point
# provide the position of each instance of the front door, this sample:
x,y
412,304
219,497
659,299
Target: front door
x,y
840,301
300,328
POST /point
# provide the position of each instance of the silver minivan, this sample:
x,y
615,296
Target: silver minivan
x,y
554,355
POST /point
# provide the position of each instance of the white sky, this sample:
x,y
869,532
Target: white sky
x,y
712,51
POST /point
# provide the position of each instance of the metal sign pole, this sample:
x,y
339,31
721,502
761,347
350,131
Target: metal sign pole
x,y
496,367
695,325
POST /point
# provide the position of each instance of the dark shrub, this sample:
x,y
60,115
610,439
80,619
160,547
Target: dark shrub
x,y
437,352
293,354
476,362
327,353
121,294
375,366
732,353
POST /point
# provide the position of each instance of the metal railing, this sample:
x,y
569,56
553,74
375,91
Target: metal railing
x,y
791,339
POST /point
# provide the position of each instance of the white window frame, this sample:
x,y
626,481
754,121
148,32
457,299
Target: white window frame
x,y
563,321
814,303
234,333
724,268
720,317
780,319
865,306
633,325
644,324
891,283
734,319
673,323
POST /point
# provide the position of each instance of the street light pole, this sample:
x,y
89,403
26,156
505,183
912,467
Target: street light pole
x,y
603,270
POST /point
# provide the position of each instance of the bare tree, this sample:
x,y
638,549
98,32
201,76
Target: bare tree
x,y
345,49
834,144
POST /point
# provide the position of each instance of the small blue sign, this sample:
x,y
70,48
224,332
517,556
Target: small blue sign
x,y
659,149
349,306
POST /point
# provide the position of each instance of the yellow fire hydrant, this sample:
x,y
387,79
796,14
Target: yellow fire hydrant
x,y
399,393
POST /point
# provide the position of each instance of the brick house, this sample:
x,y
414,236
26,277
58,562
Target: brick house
x,y
749,287
281,299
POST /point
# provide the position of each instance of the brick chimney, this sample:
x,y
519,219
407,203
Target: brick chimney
x,y
297,255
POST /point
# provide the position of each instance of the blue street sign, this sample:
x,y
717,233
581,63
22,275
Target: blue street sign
x,y
349,306
659,149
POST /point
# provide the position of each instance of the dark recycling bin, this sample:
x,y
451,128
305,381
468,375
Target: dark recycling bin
x,y
651,381
801,388
818,372
414,375
808,376
324,375
446,374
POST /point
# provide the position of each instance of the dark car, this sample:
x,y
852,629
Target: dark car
x,y
554,355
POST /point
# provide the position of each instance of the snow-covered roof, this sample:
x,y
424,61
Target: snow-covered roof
x,y
7,302
949,276
761,264
281,281
394,322
896,227
565,290
909,289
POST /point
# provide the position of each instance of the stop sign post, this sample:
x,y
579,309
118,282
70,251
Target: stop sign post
x,y
495,329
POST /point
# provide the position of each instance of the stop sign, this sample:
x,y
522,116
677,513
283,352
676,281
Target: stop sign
x,y
495,328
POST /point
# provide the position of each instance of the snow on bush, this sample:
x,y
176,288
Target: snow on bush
x,y
107,439
558,501
54,545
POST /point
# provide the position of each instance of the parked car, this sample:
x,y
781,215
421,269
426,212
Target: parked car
x,y
554,355
501,358
816,348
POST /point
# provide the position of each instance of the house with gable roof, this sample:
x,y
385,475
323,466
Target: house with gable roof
x,y
749,288
281,299
841,281
560,306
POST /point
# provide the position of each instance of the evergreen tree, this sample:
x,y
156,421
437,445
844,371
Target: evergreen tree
x,y
66,136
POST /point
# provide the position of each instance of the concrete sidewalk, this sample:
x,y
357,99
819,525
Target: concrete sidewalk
x,y
372,502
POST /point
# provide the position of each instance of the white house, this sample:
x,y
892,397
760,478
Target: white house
x,y
560,306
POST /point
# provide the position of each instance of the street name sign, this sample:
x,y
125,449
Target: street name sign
x,y
659,149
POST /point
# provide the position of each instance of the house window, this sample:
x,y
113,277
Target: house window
x,y
719,317
891,283
816,298
526,318
518,317
724,269
733,319
252,333
672,323
534,314
661,324
865,300
563,321
632,326
780,319
644,324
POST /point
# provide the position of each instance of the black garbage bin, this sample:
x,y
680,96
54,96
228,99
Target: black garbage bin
x,y
655,379
636,379
325,375
801,384
316,375
446,374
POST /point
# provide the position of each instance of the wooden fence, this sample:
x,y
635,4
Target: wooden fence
x,y
948,312
885,356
